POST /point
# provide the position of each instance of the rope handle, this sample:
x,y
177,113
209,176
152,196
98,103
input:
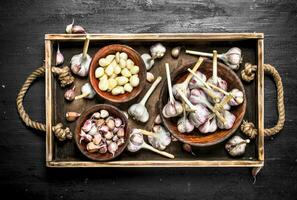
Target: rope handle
x,y
248,74
65,78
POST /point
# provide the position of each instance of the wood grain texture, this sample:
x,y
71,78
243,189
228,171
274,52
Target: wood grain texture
x,y
22,168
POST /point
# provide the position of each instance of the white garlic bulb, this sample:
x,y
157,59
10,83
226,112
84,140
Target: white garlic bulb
x,y
200,116
157,50
148,61
238,97
236,146
161,139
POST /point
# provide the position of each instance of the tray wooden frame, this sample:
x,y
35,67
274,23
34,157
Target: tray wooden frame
x,y
255,164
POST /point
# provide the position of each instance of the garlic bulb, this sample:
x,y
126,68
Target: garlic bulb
x,y
209,126
220,83
172,108
148,61
136,142
80,63
176,94
196,83
86,92
161,139
232,58
157,50
229,120
59,57
138,111
237,97
74,29
184,125
200,116
236,146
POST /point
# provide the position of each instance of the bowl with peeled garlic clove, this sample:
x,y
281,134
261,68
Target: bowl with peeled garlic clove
x,y
213,108
102,132
117,73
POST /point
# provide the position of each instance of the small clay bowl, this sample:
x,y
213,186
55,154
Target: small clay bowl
x,y
195,138
113,111
134,56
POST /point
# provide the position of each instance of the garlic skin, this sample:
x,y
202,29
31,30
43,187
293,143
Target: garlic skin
x,y
230,119
79,65
236,146
200,116
232,58
59,57
209,126
157,50
148,61
238,97
161,139
70,94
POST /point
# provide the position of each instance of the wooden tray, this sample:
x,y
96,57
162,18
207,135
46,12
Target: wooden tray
x,y
66,154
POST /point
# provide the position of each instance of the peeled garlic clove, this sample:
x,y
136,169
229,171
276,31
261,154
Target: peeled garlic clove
x,y
117,69
122,63
122,80
112,148
125,72
59,57
150,77
148,61
103,84
87,126
97,139
117,57
109,58
118,90
109,70
129,64
236,146
134,80
128,87
72,116
175,52
104,113
99,72
199,116
124,56
134,69
103,62
112,83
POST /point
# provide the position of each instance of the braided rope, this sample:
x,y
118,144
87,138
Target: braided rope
x,y
58,130
248,74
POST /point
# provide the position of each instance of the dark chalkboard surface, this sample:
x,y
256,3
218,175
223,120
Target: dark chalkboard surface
x,y
22,167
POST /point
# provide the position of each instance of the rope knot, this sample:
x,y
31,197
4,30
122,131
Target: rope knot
x,y
248,73
64,75
60,133
249,129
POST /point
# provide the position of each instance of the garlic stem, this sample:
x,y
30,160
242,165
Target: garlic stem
x,y
83,95
148,133
86,46
240,143
185,99
163,153
171,98
219,89
195,68
150,91
207,89
199,53
220,105
214,67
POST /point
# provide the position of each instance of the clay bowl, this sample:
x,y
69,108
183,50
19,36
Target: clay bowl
x,y
134,56
113,111
195,138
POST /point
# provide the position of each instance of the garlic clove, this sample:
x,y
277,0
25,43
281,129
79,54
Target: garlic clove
x,y
103,149
91,147
121,132
104,113
93,131
87,126
158,120
121,141
76,29
97,139
188,148
110,123
150,77
175,52
100,122
148,61
59,57
200,116
118,122
95,115
69,27
104,129
108,135
70,94
72,116
112,148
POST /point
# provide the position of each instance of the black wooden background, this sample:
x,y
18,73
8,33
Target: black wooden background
x,y
22,164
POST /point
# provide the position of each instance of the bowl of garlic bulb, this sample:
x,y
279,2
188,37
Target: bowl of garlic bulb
x,y
117,73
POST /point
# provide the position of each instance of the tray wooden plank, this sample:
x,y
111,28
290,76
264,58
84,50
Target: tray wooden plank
x,y
67,155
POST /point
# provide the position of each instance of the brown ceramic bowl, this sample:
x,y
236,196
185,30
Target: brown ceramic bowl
x,y
134,56
113,111
195,138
